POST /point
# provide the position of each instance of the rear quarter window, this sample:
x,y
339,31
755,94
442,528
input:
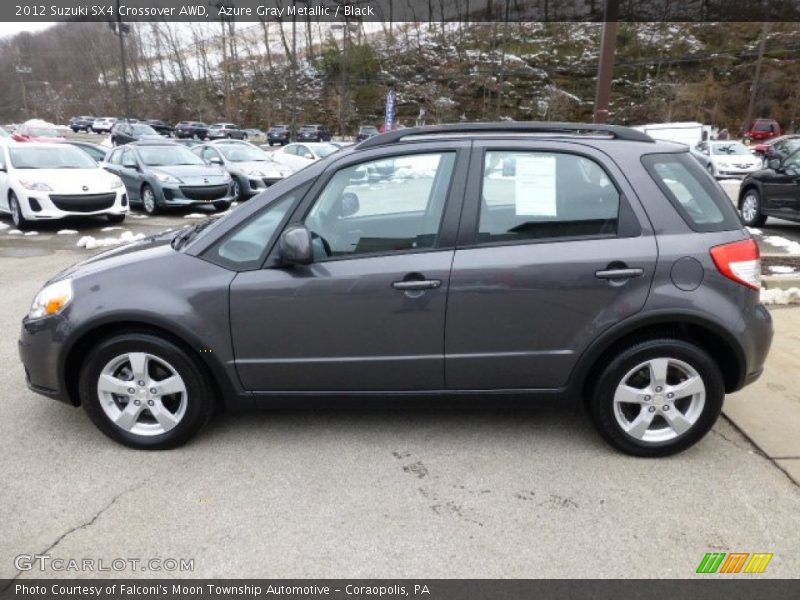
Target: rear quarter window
x,y
699,200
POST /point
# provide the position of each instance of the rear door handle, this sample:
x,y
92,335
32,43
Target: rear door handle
x,y
417,284
619,273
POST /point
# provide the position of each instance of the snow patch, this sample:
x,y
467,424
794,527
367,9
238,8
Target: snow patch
x,y
781,269
15,232
195,216
755,231
66,232
777,241
90,242
29,233
3,226
779,296
113,228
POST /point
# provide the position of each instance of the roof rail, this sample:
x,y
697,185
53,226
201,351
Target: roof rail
x,y
617,131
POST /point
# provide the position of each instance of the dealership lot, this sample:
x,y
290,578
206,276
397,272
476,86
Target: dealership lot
x,y
484,490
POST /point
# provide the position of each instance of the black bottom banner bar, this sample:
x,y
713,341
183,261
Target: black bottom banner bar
x,y
704,588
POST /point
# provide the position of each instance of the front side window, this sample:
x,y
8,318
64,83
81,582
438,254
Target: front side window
x,y
247,247
388,205
545,195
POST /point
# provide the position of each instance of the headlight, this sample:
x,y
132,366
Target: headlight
x,y
52,299
256,174
37,186
116,183
164,178
226,176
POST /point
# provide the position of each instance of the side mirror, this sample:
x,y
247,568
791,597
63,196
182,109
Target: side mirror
x,y
295,246
791,172
215,160
774,164
133,166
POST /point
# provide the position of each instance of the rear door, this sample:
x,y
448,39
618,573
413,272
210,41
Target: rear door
x,y
553,249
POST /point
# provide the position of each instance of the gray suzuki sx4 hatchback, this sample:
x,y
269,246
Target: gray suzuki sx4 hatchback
x,y
544,260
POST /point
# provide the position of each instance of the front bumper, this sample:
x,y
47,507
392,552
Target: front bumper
x,y
39,348
736,172
255,185
48,206
188,195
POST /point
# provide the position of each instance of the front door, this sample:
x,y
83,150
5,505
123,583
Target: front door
x,y
368,314
551,253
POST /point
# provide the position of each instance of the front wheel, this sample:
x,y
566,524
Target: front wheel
x,y
115,218
144,392
19,220
751,209
220,206
149,200
657,398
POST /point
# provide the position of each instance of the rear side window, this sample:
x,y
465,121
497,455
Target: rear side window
x,y
699,200
545,195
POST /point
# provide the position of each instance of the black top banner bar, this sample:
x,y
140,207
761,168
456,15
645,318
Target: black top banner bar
x,y
744,588
402,10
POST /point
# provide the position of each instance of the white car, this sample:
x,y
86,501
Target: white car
x,y
44,182
103,125
723,158
302,154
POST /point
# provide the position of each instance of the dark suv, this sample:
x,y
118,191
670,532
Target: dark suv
x,y
279,134
191,129
314,133
537,260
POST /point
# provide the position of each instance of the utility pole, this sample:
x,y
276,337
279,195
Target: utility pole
x,y
22,70
605,70
757,77
121,30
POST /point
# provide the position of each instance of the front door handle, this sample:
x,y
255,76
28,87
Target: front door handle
x,y
624,273
417,284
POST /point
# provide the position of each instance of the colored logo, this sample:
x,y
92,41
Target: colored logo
x,y
734,562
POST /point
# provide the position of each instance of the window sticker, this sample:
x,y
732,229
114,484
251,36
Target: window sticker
x,y
535,185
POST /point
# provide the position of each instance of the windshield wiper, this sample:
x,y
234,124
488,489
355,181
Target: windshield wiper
x,y
180,240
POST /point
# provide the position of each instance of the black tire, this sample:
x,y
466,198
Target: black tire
x,y
150,208
754,217
601,401
199,396
270,144
115,218
220,206
710,169
19,220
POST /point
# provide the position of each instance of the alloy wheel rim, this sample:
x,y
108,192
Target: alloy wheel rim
x,y
142,394
149,200
236,189
749,207
659,400
15,212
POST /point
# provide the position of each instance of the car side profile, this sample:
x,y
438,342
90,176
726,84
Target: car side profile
x,y
220,131
772,192
533,260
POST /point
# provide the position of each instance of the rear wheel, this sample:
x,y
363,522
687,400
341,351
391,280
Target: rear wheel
x,y
19,220
149,200
144,392
657,398
751,209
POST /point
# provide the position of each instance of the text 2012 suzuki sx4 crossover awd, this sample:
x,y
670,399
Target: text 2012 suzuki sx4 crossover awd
x,y
535,259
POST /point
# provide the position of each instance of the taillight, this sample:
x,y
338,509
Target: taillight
x,y
739,261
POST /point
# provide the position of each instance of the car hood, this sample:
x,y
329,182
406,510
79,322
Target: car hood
x,y
154,246
71,181
270,169
194,174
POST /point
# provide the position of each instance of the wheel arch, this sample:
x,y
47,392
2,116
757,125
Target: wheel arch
x,y
79,348
711,337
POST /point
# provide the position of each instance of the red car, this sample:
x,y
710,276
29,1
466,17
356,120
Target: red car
x,y
762,129
37,131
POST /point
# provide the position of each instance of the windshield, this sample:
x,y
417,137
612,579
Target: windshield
x,y
324,150
140,129
163,156
50,158
732,149
243,153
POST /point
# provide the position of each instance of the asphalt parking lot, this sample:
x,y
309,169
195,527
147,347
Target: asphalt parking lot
x,y
484,490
